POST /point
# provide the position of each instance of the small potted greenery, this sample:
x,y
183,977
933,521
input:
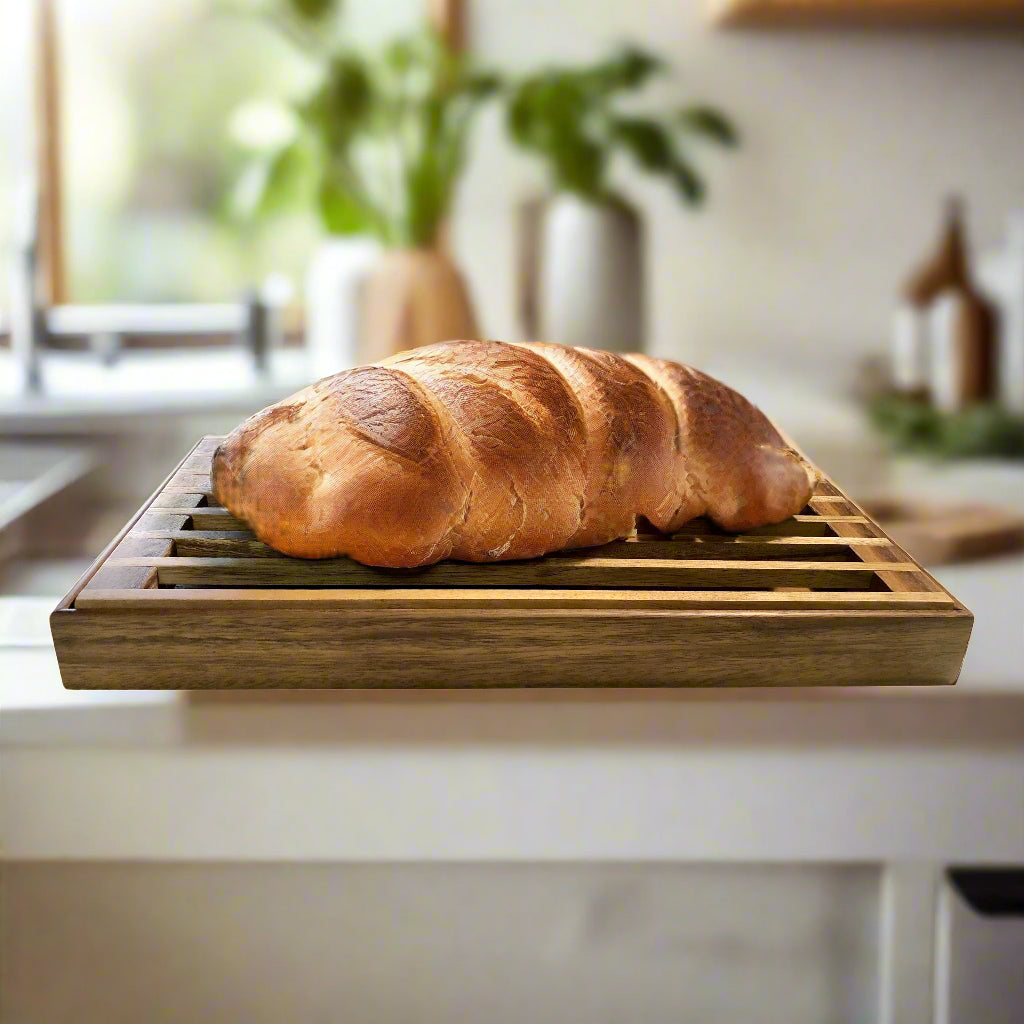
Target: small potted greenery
x,y
378,146
583,282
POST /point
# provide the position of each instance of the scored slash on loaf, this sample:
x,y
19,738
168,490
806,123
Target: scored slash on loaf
x,y
487,451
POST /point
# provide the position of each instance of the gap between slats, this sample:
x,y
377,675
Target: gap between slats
x,y
606,573
217,518
859,536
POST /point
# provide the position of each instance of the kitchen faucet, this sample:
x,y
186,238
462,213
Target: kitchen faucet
x,y
35,326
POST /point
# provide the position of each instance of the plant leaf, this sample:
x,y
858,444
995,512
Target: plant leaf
x,y
291,177
385,131
276,181
340,212
710,123
647,141
579,165
688,182
628,67
312,10
481,84
341,105
983,430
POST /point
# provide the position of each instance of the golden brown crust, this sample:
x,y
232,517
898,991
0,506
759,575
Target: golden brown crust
x,y
509,404
739,470
359,465
486,451
630,443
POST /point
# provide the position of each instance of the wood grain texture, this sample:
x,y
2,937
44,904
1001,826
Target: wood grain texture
x,y
185,597
130,579
916,581
953,13
456,648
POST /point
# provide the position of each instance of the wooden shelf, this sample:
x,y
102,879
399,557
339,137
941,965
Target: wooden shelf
x,y
768,13
187,598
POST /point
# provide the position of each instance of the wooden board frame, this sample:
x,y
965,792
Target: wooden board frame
x,y
186,598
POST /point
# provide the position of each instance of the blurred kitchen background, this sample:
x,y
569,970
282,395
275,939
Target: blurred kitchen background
x,y
202,210
766,204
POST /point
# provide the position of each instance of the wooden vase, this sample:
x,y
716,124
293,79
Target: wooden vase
x,y
414,297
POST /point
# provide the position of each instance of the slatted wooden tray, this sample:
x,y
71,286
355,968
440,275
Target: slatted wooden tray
x,y
186,597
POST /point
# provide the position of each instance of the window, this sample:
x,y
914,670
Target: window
x,y
159,102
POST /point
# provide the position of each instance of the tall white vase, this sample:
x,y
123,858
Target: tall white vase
x,y
335,280
590,275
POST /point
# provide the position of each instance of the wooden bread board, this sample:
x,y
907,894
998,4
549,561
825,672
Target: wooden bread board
x,y
186,598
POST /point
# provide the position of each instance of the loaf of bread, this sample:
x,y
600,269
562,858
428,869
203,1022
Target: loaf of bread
x,y
485,451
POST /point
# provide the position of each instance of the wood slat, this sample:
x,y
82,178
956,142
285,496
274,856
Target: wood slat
x,y
614,573
221,544
866,531
179,502
408,598
151,536
199,463
123,573
826,488
188,483
100,574
243,544
205,517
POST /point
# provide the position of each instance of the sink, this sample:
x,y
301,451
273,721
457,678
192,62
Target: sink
x,y
31,473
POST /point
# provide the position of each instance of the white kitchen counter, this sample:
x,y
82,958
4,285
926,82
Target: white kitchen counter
x,y
863,775
80,396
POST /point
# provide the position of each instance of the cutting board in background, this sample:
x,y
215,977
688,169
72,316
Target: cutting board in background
x,y
941,534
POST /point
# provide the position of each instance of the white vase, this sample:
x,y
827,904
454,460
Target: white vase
x,y
335,280
590,275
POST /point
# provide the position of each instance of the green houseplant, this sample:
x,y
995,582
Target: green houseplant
x,y
378,146
583,280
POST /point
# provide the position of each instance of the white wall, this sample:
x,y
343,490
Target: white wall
x,y
851,138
